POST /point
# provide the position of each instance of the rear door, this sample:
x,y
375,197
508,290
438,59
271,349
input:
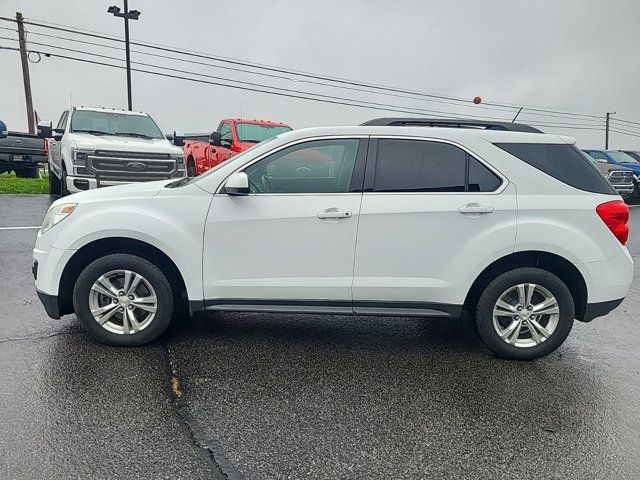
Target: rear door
x,y
432,215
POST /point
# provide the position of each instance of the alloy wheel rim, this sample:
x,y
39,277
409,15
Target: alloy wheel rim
x,y
123,302
525,315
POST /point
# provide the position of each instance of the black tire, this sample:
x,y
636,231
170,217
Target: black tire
x,y
191,168
493,291
63,183
54,183
27,172
116,261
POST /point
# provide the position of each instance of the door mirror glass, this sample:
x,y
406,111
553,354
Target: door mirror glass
x,y
3,130
45,129
237,184
178,138
215,139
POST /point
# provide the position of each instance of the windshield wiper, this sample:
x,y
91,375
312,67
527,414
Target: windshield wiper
x,y
94,132
132,134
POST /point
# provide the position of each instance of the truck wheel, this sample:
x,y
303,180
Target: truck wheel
x,y
191,168
525,313
27,172
123,300
54,183
63,183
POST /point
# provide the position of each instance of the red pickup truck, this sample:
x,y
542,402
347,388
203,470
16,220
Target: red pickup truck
x,y
232,136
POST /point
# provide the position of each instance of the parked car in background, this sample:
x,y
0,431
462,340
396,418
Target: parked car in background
x,y
621,159
22,153
98,147
233,136
352,220
620,177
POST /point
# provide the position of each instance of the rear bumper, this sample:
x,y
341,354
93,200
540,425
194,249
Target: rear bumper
x,y
595,310
50,303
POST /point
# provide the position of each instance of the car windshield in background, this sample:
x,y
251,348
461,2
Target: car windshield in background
x,y
255,133
114,123
593,159
622,157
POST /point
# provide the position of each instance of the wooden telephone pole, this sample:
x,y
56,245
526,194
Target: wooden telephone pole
x,y
22,40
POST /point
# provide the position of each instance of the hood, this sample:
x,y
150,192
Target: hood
x,y
88,141
631,166
119,192
608,167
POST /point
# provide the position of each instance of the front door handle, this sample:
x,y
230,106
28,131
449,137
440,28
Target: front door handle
x,y
475,208
333,213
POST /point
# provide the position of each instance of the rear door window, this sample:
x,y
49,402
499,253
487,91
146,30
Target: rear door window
x,y
563,162
425,166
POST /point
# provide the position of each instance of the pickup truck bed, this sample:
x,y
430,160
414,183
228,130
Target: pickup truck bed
x,y
22,153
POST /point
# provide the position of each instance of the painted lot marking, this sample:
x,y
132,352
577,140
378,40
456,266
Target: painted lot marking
x,y
20,228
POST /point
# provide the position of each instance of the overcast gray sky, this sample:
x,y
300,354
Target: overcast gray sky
x,y
575,55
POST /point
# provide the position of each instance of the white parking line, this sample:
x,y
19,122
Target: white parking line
x,y
19,228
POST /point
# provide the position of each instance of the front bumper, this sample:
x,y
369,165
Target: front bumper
x,y
624,190
78,184
50,303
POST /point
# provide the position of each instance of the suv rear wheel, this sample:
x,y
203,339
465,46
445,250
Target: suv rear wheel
x,y
123,300
525,313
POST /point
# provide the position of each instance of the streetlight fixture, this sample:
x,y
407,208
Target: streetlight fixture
x,y
127,15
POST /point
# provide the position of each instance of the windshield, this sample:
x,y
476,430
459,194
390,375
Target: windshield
x,y
593,159
114,123
255,133
622,157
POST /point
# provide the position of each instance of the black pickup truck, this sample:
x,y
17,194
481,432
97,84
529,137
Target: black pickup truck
x,y
21,152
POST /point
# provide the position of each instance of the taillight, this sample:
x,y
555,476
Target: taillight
x,y
615,215
46,146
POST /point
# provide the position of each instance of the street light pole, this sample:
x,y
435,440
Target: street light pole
x,y
133,15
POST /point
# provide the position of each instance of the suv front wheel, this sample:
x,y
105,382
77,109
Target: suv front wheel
x,y
525,313
123,300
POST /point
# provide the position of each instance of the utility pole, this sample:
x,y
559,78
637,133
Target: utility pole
x,y
606,131
22,41
133,15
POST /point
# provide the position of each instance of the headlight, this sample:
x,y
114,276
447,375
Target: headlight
x,y
80,158
179,159
56,214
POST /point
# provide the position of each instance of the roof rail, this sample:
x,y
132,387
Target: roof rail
x,y
452,123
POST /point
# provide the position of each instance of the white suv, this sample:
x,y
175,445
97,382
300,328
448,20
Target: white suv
x,y
519,229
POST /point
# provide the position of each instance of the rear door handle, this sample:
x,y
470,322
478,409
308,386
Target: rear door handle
x,y
475,208
333,213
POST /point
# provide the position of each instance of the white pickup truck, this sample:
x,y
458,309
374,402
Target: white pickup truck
x,y
97,147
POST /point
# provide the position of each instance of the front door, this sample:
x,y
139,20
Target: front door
x,y
289,244
432,216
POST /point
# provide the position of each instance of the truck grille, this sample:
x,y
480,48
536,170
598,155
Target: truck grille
x,y
130,166
619,177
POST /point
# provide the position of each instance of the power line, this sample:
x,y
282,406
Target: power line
x,y
373,104
300,92
303,74
302,97
101,45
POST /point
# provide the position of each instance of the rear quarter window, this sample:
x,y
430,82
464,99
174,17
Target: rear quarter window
x,y
563,162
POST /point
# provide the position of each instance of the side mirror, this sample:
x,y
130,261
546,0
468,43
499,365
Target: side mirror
x,y
57,136
45,129
178,138
3,130
215,139
237,184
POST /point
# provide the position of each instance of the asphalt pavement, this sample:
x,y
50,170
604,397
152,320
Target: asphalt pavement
x,y
239,395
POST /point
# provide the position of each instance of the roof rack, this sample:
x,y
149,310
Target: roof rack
x,y
452,123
